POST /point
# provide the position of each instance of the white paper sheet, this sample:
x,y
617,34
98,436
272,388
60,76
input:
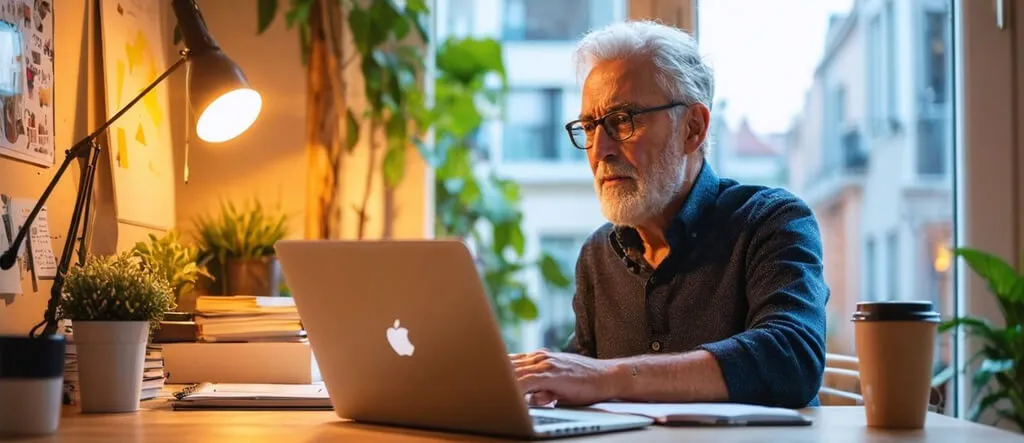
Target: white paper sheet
x,y
43,261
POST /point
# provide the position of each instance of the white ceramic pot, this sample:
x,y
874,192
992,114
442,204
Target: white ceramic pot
x,y
111,355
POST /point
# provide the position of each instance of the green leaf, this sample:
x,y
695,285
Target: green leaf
x,y
394,166
359,21
265,12
552,272
352,131
986,402
974,326
298,14
469,59
517,239
524,308
470,193
1000,276
417,6
990,368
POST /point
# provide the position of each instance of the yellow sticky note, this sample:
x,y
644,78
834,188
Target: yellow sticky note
x,y
122,148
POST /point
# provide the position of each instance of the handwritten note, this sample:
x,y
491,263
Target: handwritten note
x,y
44,263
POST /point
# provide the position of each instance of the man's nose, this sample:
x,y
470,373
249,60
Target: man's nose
x,y
604,146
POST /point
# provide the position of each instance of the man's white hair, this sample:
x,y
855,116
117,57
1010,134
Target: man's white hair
x,y
682,73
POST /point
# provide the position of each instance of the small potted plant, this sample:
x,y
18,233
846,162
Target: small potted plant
x,y
112,303
176,262
239,245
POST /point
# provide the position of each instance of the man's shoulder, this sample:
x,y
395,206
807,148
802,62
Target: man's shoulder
x,y
759,201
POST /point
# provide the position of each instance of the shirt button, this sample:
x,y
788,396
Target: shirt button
x,y
656,346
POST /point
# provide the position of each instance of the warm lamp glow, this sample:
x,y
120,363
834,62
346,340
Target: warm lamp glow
x,y
229,115
943,258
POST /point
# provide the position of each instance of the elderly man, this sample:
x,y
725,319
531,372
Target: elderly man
x,y
699,288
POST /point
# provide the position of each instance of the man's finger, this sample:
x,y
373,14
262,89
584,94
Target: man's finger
x,y
537,368
529,359
531,383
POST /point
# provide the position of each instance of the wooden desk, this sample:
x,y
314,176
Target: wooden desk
x,y
158,424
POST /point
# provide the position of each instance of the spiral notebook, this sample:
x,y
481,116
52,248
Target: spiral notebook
x,y
252,396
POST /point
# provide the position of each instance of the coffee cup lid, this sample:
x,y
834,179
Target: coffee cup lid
x,y
912,310
32,357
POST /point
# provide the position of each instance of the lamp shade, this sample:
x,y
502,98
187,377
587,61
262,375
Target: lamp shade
x,y
219,93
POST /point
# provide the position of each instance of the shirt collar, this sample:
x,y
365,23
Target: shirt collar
x,y
626,241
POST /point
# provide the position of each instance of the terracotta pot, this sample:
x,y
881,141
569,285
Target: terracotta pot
x,y
255,276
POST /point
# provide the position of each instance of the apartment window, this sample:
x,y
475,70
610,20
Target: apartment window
x,y
557,317
547,19
892,267
881,71
835,105
933,136
871,271
534,129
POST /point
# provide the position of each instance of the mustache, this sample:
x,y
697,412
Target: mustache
x,y
607,169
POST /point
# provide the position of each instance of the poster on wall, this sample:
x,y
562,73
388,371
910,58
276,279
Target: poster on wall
x,y
26,80
140,149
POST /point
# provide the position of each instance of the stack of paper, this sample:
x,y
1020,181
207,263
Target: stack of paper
x,y
708,413
253,396
248,319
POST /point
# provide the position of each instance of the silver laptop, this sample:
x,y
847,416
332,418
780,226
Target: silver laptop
x,y
404,335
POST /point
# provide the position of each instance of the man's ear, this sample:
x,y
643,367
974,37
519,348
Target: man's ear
x,y
698,120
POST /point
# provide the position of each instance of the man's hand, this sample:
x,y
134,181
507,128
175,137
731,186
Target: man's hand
x,y
569,379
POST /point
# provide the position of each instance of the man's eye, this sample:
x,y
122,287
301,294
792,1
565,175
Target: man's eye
x,y
587,126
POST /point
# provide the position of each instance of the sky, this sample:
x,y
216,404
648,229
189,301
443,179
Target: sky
x,y
764,54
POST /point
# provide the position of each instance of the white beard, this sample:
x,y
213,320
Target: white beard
x,y
636,201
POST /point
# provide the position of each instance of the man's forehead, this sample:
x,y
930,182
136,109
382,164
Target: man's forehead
x,y
617,84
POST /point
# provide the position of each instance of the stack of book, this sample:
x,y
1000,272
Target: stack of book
x,y
70,366
153,375
243,318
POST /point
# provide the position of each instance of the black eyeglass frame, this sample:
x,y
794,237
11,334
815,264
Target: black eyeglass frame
x,y
600,121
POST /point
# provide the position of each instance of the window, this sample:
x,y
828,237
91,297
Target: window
x,y
892,265
534,128
558,321
871,271
933,134
835,103
881,63
546,19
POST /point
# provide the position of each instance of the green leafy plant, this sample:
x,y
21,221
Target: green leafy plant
x,y
472,203
243,233
998,381
115,288
176,262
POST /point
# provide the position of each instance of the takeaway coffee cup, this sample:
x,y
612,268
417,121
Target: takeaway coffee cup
x,y
895,345
31,384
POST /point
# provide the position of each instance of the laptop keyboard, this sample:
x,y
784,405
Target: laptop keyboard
x,y
541,420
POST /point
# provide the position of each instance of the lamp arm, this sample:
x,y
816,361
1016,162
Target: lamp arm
x,y
78,150
87,149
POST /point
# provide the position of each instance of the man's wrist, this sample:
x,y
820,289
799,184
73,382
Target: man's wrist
x,y
619,378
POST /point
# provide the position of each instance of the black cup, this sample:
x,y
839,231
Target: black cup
x,y
896,311
31,384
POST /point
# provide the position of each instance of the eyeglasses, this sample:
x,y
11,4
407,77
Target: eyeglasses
x,y
619,125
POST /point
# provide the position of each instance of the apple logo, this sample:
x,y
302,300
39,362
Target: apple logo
x,y
398,338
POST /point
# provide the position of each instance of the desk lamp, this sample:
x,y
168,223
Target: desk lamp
x,y
217,91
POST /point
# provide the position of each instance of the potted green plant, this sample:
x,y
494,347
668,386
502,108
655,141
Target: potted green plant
x,y
998,382
112,303
239,246
176,262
